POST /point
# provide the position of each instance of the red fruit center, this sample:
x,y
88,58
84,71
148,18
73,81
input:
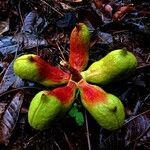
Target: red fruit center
x,y
48,72
92,94
65,94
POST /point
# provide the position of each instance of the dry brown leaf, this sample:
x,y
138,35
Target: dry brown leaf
x,y
4,26
66,6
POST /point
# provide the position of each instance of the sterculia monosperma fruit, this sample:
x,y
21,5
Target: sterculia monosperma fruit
x,y
32,67
79,47
105,108
116,65
48,106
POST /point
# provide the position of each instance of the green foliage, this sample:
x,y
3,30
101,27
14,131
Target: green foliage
x,y
78,116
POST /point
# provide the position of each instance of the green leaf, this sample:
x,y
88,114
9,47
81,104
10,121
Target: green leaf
x,y
78,116
73,111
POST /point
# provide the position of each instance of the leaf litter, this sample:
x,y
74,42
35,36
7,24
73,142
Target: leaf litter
x,y
39,27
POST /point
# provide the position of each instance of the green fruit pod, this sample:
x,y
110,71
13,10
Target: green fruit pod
x,y
48,106
105,108
32,67
115,66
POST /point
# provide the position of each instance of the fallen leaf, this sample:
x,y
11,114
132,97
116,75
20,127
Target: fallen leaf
x,y
135,132
4,26
8,79
9,118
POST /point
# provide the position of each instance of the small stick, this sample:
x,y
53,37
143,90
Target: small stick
x,y
87,131
143,66
20,12
52,8
61,51
57,145
67,140
148,58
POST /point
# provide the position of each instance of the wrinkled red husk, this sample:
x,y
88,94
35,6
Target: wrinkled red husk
x,y
79,55
91,94
66,93
49,72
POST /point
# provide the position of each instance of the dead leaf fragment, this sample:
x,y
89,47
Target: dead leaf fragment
x,y
9,119
4,26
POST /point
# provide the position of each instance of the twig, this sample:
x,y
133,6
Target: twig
x,y
52,8
143,66
61,51
21,88
69,144
31,139
20,12
57,145
147,97
143,133
148,58
121,31
87,132
136,116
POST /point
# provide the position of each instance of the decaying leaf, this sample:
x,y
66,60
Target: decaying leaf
x,y
122,11
8,46
9,118
33,23
67,21
29,22
4,26
28,41
136,132
8,79
2,108
9,49
66,6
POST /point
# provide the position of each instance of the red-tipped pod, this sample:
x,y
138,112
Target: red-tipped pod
x,y
79,47
32,67
48,106
106,108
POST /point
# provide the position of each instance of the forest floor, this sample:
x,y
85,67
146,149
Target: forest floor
x,y
43,27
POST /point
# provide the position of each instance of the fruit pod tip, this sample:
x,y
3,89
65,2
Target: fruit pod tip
x,y
31,59
124,51
78,26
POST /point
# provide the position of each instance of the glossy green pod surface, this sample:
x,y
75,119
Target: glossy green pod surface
x,y
32,67
115,66
48,106
105,108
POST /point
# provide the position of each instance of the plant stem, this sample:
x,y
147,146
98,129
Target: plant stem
x,y
87,131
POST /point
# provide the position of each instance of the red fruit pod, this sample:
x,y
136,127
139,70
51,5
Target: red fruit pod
x,y
79,47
